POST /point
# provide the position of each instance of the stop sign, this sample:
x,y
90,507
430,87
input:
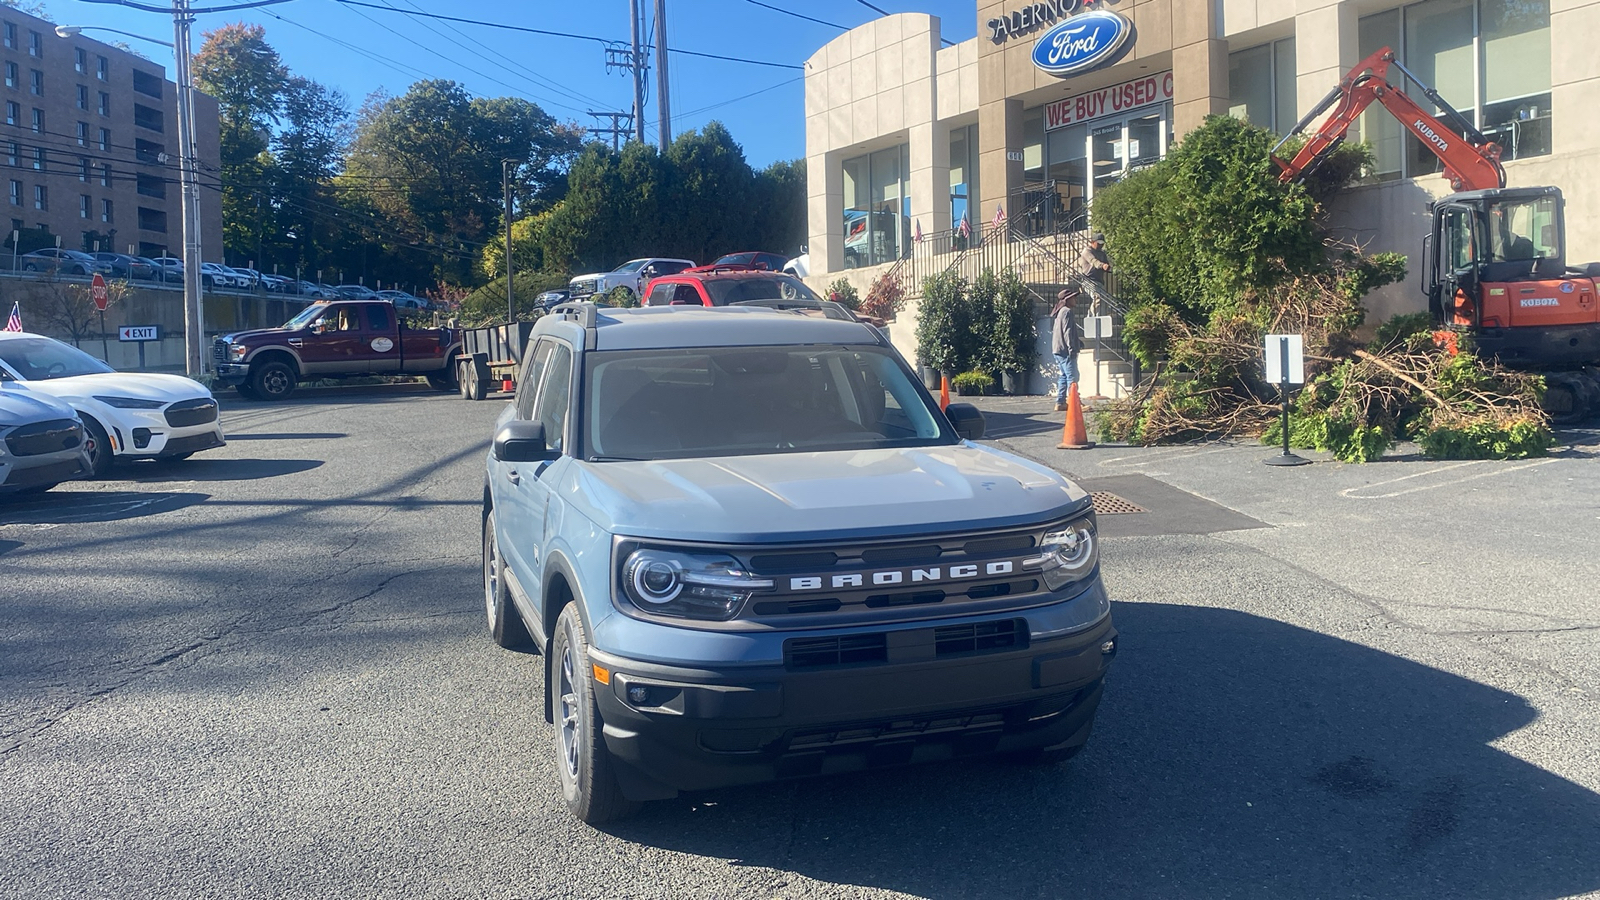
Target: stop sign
x,y
97,290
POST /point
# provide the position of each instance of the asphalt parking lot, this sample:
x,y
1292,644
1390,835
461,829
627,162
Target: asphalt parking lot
x,y
264,672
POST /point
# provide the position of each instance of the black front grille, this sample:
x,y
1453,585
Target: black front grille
x,y
976,637
908,646
845,650
192,412
39,438
219,351
193,443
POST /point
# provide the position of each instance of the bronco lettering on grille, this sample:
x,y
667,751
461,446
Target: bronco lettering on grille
x,y
887,577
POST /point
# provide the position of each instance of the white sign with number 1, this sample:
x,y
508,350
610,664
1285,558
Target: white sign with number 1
x,y
1286,361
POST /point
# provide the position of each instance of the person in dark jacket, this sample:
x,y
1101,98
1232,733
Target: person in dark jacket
x,y
1065,342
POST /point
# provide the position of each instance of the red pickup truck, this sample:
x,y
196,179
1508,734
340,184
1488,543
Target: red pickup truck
x,y
335,339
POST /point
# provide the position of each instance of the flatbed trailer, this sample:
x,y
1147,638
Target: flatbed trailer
x,y
491,356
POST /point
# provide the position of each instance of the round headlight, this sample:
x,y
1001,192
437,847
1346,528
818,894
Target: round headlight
x,y
653,579
1073,547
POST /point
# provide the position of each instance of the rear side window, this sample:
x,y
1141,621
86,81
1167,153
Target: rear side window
x,y
377,318
555,392
686,295
660,295
529,388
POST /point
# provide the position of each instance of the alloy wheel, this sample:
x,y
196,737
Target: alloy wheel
x,y
571,714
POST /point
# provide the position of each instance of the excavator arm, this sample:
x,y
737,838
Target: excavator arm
x,y
1471,161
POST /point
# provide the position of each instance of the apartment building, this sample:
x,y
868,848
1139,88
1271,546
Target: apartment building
x,y
89,144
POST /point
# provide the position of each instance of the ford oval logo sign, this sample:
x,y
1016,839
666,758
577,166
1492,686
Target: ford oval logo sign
x,y
1081,42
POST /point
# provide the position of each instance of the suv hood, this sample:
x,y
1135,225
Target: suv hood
x,y
19,405
817,496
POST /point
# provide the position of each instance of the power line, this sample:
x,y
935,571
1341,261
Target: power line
x,y
455,62
779,9
564,34
878,10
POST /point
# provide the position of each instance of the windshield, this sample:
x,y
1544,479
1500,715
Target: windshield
x,y
632,265
40,359
736,401
1524,229
776,287
305,316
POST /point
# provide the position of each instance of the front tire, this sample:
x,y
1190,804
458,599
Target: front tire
x,y
99,446
588,782
505,622
272,380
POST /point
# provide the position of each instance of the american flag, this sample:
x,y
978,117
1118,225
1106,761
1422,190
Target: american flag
x,y
965,228
916,230
999,216
14,321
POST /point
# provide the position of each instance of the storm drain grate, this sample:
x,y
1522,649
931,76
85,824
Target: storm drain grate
x,y
1109,504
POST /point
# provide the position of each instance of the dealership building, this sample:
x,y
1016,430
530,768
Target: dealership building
x,y
908,135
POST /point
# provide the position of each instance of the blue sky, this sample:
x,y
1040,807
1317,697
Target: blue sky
x,y
762,106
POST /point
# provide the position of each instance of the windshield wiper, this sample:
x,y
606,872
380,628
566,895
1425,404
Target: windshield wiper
x,y
618,459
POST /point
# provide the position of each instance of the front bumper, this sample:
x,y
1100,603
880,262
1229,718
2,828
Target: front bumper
x,y
17,474
232,373
697,729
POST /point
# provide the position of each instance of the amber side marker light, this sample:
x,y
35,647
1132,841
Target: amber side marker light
x,y
602,674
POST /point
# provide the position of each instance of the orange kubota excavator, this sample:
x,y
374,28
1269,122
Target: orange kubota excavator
x,y
1494,263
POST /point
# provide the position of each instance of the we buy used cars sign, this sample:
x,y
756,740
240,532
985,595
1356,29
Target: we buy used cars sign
x,y
1108,101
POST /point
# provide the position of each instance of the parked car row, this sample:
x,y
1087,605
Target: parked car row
x,y
169,270
65,415
635,275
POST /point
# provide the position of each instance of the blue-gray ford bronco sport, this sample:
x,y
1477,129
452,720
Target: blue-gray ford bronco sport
x,y
751,546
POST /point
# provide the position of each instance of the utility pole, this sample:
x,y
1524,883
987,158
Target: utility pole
x,y
617,129
661,75
193,311
505,188
636,15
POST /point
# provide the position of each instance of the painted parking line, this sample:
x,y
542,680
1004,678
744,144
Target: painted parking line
x,y
1354,493
1135,460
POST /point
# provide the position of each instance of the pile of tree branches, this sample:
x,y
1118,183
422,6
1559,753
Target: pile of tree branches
x,y
1214,274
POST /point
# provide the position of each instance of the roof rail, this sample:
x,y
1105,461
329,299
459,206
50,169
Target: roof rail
x,y
829,308
585,314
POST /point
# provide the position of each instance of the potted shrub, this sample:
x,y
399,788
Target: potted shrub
x,y
844,294
943,335
885,298
1013,332
972,384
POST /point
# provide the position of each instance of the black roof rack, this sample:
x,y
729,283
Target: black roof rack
x,y
586,315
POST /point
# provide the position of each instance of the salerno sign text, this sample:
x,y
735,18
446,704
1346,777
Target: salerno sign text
x,y
1118,98
1031,18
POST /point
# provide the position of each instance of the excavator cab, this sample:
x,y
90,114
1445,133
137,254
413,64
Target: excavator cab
x,y
1495,264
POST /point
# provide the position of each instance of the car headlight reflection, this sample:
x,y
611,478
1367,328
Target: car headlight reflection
x,y
688,585
236,352
131,402
1067,554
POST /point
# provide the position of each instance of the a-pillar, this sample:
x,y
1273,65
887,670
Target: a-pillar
x,y
1327,45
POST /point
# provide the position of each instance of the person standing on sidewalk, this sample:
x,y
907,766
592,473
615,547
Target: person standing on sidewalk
x,y
1065,342
1093,264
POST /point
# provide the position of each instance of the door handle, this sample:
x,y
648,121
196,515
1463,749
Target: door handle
x,y
513,477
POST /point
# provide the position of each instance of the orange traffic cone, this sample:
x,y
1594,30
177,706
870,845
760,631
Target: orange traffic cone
x,y
507,386
944,391
1074,436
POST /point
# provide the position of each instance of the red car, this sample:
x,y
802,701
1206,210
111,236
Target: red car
x,y
751,259
722,285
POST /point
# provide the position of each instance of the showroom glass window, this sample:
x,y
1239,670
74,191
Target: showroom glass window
x,y
1261,85
877,207
1488,58
964,175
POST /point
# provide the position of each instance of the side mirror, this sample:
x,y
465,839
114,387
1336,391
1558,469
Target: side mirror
x,y
967,419
318,327
522,441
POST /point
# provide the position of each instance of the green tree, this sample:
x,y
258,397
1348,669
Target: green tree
x,y
237,66
780,207
429,163
306,155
